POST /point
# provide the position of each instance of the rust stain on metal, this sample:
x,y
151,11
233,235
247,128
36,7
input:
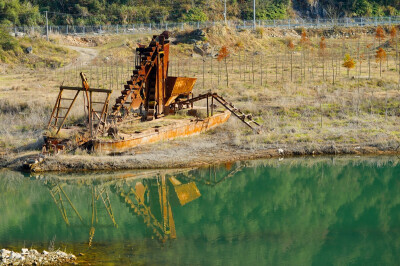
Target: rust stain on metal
x,y
192,128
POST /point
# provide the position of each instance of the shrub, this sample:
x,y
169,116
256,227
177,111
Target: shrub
x,y
7,42
195,14
260,31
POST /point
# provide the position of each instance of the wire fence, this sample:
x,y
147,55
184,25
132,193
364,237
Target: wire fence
x,y
240,24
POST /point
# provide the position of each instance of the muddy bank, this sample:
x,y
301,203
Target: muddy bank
x,y
184,153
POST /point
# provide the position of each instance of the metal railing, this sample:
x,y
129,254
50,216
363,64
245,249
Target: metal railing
x,y
239,24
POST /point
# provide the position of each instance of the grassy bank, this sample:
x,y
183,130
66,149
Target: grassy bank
x,y
14,52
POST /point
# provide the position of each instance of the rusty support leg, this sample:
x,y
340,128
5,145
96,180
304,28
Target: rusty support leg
x,y
90,114
212,106
207,106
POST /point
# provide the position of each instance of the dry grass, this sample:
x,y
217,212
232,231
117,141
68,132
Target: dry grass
x,y
308,109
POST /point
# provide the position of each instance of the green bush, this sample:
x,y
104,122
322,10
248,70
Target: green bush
x,y
362,8
270,11
195,14
7,42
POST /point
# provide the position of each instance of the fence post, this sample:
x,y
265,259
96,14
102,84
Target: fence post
x,y
83,30
67,29
289,23
198,25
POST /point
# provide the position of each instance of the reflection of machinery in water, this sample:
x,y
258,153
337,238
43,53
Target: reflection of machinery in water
x,y
60,198
151,199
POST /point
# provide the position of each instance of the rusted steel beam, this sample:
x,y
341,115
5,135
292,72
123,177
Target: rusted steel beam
x,y
82,89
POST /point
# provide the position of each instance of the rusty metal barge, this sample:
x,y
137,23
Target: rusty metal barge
x,y
152,107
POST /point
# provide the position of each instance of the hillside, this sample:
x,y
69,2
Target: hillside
x,y
89,12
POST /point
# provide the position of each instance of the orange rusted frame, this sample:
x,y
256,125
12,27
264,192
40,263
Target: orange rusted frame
x,y
191,128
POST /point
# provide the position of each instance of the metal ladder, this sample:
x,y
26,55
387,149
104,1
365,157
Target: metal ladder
x,y
245,118
96,118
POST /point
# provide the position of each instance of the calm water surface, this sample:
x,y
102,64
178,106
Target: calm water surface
x,y
321,211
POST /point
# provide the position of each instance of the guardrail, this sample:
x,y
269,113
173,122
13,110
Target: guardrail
x,y
241,24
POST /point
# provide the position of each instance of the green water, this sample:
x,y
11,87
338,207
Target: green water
x,y
329,211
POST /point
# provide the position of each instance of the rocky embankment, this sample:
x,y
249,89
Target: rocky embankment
x,y
33,257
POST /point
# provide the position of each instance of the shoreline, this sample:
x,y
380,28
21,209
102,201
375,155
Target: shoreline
x,y
164,157
33,257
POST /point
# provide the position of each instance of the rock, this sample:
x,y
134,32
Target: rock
x,y
206,46
34,252
15,255
29,50
4,253
45,252
24,251
61,254
198,50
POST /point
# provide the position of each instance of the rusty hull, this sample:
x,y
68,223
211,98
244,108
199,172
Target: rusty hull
x,y
190,128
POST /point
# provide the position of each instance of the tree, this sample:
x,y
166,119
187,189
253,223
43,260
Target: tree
x,y
304,43
290,45
380,34
379,56
19,13
222,55
322,52
349,63
393,33
304,38
393,38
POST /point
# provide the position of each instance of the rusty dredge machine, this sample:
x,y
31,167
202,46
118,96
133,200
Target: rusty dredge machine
x,y
149,95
